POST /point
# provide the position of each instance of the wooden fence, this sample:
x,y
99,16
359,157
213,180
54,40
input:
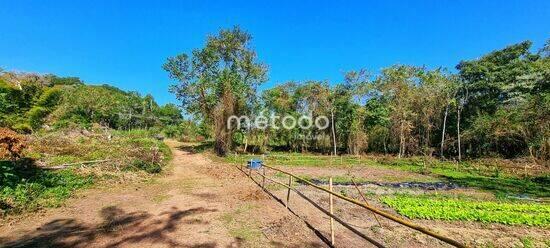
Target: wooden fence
x,y
333,217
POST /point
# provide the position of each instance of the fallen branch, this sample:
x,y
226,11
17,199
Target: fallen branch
x,y
65,166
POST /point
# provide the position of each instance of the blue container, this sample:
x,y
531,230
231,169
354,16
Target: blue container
x,y
254,164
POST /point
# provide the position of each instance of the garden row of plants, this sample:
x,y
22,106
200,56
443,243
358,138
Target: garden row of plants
x,y
449,208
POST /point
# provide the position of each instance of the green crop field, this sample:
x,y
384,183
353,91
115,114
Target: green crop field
x,y
444,208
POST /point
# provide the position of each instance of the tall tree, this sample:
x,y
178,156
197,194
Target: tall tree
x,y
218,81
499,85
397,84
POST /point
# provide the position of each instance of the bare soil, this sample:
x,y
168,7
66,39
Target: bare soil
x,y
392,234
202,203
198,203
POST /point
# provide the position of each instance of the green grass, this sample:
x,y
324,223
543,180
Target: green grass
x,y
465,209
336,179
526,241
297,159
25,187
32,189
464,174
499,185
136,149
63,159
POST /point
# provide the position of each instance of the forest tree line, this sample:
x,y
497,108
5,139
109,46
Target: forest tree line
x,y
31,102
496,105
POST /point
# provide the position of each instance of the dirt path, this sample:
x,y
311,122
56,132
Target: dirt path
x,y
197,204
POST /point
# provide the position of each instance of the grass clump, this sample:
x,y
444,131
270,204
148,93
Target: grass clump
x,y
338,179
160,198
145,166
502,185
28,185
29,189
452,208
133,149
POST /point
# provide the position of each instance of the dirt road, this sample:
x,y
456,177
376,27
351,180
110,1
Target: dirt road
x,y
198,203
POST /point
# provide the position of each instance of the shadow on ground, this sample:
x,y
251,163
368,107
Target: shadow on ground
x,y
196,148
117,228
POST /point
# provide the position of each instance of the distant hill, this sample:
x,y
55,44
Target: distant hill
x,y
29,102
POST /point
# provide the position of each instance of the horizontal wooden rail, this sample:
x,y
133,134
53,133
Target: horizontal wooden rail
x,y
336,218
376,210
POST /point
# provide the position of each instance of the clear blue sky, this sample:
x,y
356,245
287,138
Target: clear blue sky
x,y
124,43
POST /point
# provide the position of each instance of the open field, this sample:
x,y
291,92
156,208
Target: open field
x,y
194,203
484,206
503,181
226,208
365,124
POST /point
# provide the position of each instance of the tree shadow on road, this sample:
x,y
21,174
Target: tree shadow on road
x,y
117,228
196,148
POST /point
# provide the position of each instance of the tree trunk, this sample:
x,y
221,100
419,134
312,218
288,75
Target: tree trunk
x,y
223,139
401,141
427,144
385,146
266,143
443,132
220,147
245,142
223,133
333,130
458,131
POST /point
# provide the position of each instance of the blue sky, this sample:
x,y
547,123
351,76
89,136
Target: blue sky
x,y
124,43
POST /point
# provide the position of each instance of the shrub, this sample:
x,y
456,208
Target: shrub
x,y
36,116
31,189
49,98
171,131
7,176
22,128
11,144
145,166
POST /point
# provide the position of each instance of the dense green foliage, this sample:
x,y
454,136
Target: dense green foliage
x,y
507,102
497,105
218,81
30,101
29,189
500,102
67,122
446,208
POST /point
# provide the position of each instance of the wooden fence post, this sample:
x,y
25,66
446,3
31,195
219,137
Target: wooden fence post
x,y
288,192
331,212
